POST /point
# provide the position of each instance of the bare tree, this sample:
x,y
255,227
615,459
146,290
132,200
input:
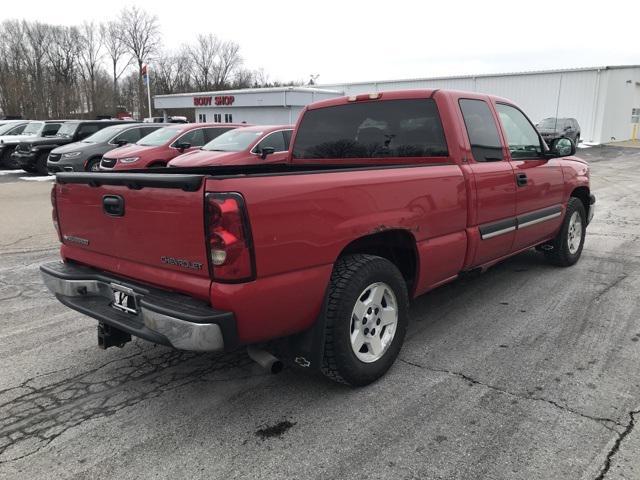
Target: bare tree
x,y
12,67
62,52
204,55
228,59
172,72
90,55
37,39
141,36
119,60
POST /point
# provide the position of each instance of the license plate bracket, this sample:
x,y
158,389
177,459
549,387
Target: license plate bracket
x,y
124,299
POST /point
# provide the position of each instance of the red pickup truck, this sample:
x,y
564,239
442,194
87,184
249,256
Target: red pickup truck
x,y
383,198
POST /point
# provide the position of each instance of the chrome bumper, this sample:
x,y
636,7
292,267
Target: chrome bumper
x,y
195,327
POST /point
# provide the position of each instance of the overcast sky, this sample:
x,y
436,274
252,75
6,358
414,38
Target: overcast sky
x,y
352,41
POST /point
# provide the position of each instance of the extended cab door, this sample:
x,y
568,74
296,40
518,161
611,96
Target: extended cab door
x,y
492,213
539,179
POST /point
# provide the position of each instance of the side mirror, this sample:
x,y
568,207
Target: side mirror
x,y
266,151
121,142
182,146
562,147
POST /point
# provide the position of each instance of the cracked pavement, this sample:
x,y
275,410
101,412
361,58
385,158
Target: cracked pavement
x,y
528,371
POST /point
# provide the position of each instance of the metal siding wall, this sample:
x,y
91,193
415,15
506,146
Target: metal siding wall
x,y
536,94
620,99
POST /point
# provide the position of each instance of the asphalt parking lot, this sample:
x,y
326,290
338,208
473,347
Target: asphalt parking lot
x,y
528,371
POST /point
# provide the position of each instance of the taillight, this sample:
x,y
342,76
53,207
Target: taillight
x,y
228,238
54,212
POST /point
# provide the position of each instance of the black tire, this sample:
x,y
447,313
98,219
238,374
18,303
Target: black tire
x,y
6,161
561,254
30,169
41,164
93,165
351,275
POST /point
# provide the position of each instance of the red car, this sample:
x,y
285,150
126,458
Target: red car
x,y
161,146
242,146
383,197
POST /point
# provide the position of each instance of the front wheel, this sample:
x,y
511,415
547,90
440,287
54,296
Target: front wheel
x,y
93,165
366,317
566,248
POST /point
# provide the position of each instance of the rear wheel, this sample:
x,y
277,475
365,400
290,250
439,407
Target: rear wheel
x,y
366,317
566,248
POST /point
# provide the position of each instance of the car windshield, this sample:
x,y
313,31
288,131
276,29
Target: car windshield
x,y
67,130
550,123
104,135
159,137
33,128
233,141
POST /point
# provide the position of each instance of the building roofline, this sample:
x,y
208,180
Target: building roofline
x,y
483,75
251,90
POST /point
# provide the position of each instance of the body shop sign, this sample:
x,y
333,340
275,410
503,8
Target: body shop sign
x,y
220,100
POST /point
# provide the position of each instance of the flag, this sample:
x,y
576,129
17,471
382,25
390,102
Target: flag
x,y
145,74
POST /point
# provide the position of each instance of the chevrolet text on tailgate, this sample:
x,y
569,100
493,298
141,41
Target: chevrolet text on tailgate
x,y
383,198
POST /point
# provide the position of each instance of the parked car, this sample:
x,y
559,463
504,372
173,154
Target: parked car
x,y
242,146
552,128
31,154
86,154
33,131
383,198
163,145
173,119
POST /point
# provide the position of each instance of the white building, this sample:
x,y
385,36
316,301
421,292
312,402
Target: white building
x,y
602,99
259,106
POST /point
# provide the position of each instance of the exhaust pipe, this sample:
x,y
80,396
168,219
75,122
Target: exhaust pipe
x,y
265,359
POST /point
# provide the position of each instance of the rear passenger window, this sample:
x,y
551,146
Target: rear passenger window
x,y
50,129
481,130
372,129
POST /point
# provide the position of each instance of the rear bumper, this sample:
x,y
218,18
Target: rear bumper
x,y
163,317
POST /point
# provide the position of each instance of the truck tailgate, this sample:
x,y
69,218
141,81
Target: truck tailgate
x,y
149,220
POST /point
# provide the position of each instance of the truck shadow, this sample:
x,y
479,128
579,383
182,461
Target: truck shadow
x,y
40,409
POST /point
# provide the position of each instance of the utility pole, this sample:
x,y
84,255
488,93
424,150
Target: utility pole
x,y
147,81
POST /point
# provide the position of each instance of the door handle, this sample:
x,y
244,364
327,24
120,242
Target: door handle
x,y
521,179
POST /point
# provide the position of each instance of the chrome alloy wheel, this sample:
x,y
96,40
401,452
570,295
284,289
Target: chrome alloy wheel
x,y
574,234
373,322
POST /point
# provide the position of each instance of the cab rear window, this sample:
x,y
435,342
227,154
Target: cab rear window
x,y
378,129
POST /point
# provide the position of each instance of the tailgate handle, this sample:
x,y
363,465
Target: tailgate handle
x,y
113,205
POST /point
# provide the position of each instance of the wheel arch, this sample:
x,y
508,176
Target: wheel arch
x,y
584,195
396,245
